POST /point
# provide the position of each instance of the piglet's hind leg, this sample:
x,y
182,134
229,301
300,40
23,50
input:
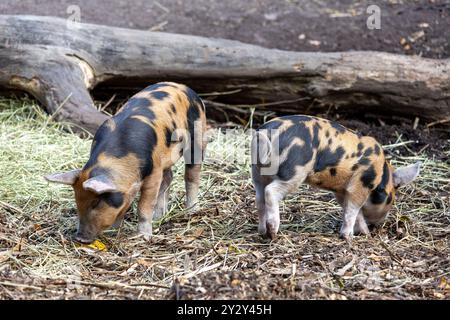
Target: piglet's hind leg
x,y
260,200
261,207
273,194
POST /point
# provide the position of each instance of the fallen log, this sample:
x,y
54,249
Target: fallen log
x,y
58,62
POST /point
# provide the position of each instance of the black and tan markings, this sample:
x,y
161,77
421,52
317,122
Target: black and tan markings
x,y
380,194
329,156
336,153
136,147
145,124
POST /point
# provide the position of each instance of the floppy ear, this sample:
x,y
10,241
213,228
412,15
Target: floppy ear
x,y
99,184
69,177
405,175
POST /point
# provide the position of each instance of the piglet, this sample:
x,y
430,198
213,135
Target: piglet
x,y
291,150
133,152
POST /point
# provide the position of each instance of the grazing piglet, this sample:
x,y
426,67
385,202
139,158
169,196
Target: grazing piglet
x,y
288,151
134,151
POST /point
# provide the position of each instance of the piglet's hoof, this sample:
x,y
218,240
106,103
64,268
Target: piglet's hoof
x,y
271,235
271,231
145,230
262,230
147,236
346,236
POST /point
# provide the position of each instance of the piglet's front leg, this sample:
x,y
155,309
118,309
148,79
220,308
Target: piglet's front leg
x,y
352,206
354,198
149,195
361,225
351,211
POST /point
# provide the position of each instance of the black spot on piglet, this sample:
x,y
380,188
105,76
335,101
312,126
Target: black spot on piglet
x,y
363,161
138,102
379,195
377,150
159,95
368,177
338,127
368,152
326,158
168,134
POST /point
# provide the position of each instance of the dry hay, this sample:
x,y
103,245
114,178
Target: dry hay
x,y
216,252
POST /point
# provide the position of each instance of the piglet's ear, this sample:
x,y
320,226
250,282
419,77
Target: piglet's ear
x,y
405,175
69,177
99,184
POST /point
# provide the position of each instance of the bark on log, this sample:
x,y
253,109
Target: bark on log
x,y
59,62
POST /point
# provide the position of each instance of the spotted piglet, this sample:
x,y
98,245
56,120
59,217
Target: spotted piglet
x,y
288,151
134,151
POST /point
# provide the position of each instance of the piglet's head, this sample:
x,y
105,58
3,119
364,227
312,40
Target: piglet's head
x,y
382,197
99,200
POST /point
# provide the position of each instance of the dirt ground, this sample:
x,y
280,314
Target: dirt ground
x,y
407,26
434,143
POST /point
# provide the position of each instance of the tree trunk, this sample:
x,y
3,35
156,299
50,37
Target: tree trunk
x,y
58,62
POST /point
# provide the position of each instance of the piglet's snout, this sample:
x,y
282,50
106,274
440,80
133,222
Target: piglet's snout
x,y
83,239
85,235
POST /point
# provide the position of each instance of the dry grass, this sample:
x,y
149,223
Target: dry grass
x,y
216,252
